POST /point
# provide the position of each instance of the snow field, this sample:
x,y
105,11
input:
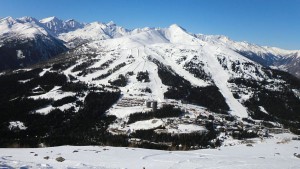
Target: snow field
x,y
276,153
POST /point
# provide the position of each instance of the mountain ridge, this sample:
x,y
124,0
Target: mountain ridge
x,y
27,37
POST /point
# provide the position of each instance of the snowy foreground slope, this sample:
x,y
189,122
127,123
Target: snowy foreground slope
x,y
279,152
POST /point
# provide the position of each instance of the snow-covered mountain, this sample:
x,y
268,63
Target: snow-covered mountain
x,y
91,32
189,62
154,84
25,41
74,33
58,26
287,60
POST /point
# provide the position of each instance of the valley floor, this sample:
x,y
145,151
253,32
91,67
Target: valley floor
x,y
279,151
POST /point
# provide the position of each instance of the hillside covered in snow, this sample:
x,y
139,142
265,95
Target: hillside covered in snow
x,y
25,41
278,152
161,88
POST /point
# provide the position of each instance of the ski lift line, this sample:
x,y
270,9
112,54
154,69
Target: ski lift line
x,y
144,65
138,52
131,64
128,67
116,72
137,65
138,55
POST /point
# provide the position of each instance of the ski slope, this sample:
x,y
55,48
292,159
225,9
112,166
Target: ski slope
x,y
174,48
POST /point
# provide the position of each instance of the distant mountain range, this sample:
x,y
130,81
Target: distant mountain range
x,y
25,41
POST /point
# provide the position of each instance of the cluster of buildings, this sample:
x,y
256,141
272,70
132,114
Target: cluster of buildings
x,y
198,118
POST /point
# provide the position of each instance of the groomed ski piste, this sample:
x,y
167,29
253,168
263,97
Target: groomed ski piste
x,y
280,151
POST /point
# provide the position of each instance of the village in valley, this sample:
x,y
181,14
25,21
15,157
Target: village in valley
x,y
193,120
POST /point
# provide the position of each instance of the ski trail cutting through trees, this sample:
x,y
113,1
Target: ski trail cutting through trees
x,y
220,77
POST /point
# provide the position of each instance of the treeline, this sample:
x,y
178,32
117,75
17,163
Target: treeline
x,y
121,81
143,76
244,134
181,89
150,139
279,104
202,140
165,111
87,126
63,101
197,70
12,87
110,71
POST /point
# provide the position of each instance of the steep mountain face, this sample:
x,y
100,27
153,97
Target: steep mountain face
x,y
286,60
92,32
58,26
24,41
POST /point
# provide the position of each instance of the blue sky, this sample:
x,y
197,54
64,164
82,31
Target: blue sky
x,y
264,22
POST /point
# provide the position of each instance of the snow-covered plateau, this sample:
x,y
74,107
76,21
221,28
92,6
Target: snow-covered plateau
x,y
278,152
